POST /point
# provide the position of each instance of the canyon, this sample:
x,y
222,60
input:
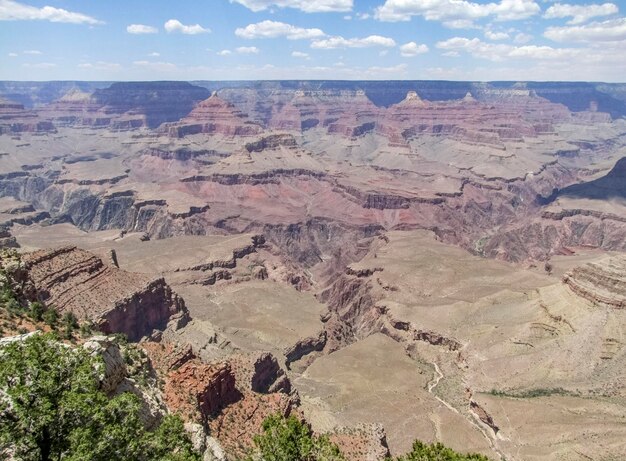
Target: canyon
x,y
391,261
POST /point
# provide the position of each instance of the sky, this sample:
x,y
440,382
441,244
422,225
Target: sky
x,y
539,40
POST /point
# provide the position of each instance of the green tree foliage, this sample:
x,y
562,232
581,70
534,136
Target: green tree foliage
x,y
50,317
437,452
288,439
51,409
37,310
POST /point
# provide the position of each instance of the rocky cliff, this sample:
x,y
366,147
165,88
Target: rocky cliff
x,y
602,283
75,280
213,116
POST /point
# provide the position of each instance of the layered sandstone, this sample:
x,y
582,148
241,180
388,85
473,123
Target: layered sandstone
x,y
602,282
75,280
15,119
213,116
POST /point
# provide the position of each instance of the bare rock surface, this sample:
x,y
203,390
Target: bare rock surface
x,y
74,280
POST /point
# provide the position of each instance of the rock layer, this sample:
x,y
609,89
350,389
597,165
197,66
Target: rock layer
x,y
75,280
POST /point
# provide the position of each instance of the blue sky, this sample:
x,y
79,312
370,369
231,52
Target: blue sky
x,y
312,39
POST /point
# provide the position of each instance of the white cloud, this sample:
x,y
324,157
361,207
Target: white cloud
x,y
447,10
154,54
363,16
522,38
100,65
299,54
500,52
460,24
141,29
340,42
451,54
41,65
33,52
308,6
12,55
14,11
273,29
606,31
579,13
412,49
491,35
247,50
347,17
156,66
224,53
174,25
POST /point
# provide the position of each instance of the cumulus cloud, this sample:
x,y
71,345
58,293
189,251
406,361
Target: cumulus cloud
x,y
274,29
141,29
308,6
412,49
247,50
299,54
174,25
579,13
14,11
448,10
605,31
491,35
154,54
224,53
340,42
460,24
500,52
100,65
13,55
522,38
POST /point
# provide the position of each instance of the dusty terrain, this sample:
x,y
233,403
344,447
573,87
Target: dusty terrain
x,y
446,270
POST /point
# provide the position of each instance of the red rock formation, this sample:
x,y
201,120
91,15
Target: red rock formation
x,y
213,116
362,443
347,113
198,391
75,280
469,120
236,425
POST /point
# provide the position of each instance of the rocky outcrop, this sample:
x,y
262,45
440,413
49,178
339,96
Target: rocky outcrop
x,y
602,283
272,142
213,116
114,371
361,443
305,346
74,280
15,119
483,416
157,102
198,391
260,373
236,425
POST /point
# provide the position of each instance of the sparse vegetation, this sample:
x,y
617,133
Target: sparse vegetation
x,y
533,393
288,439
437,452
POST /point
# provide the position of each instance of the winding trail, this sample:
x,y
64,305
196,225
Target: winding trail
x,y
474,420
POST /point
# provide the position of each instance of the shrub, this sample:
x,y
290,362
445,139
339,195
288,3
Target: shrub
x,y
52,409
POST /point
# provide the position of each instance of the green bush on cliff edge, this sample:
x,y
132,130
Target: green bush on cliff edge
x,y
51,409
